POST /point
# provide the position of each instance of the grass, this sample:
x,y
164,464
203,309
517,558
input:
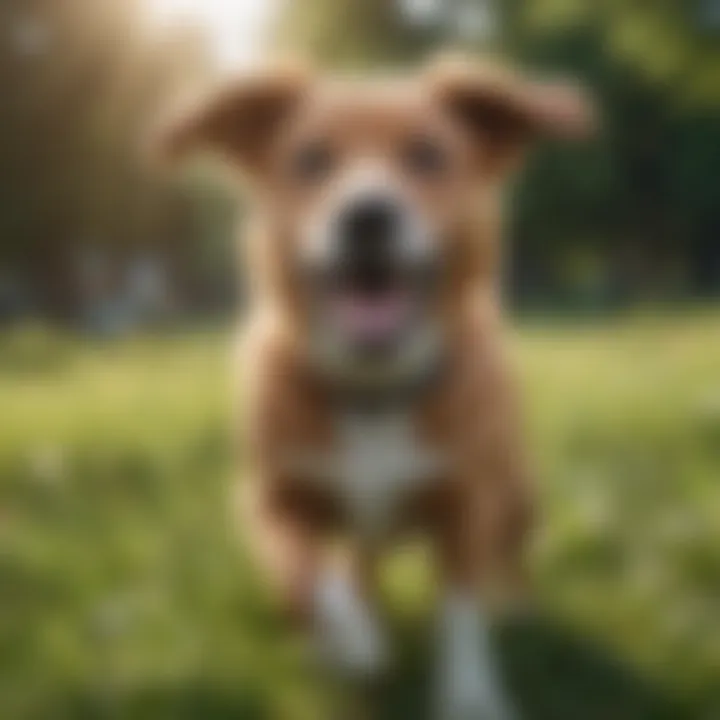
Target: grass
x,y
124,593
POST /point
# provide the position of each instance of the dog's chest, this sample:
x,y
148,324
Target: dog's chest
x,y
379,462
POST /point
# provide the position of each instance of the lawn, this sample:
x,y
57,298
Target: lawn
x,y
124,592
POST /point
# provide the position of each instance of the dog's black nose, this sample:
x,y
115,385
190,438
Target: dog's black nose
x,y
370,221
368,229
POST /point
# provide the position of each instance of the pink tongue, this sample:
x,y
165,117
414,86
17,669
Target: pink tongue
x,y
372,318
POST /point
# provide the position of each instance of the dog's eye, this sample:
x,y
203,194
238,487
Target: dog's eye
x,y
312,162
424,156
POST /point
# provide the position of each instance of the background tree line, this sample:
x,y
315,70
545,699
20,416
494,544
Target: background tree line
x,y
631,215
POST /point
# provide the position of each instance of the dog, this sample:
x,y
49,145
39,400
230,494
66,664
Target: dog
x,y
378,396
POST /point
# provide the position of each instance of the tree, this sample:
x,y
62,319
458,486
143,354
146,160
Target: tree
x,y
80,83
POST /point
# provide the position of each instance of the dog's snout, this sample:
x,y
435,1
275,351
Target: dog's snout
x,y
369,224
368,230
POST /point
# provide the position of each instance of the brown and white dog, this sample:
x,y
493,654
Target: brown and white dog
x,y
378,395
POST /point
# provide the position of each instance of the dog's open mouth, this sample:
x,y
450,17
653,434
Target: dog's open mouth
x,y
372,320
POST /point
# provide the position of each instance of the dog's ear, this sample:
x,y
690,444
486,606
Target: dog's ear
x,y
238,120
504,111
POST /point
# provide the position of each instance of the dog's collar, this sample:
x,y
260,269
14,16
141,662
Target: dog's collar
x,y
373,397
371,386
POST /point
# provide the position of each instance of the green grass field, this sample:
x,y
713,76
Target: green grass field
x,y
124,594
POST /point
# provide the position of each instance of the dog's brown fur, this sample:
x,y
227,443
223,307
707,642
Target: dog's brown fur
x,y
478,513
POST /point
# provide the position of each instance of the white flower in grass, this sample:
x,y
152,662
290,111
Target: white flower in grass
x,y
47,465
595,507
708,404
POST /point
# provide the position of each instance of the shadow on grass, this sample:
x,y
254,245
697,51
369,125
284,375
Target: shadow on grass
x,y
551,674
192,701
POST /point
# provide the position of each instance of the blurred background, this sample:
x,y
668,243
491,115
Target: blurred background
x,y
123,592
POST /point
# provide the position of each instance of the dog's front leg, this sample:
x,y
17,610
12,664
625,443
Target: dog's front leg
x,y
348,629
468,682
329,598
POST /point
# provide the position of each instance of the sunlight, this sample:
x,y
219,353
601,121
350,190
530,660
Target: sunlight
x,y
235,28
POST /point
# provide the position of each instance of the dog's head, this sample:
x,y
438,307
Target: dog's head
x,y
371,192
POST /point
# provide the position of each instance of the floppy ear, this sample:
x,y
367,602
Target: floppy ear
x,y
238,120
504,111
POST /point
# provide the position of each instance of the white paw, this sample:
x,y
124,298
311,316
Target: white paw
x,y
465,701
350,639
354,650
468,685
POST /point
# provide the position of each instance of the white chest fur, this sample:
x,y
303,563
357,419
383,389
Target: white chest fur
x,y
379,462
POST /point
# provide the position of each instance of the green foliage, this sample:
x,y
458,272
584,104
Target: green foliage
x,y
124,590
672,43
